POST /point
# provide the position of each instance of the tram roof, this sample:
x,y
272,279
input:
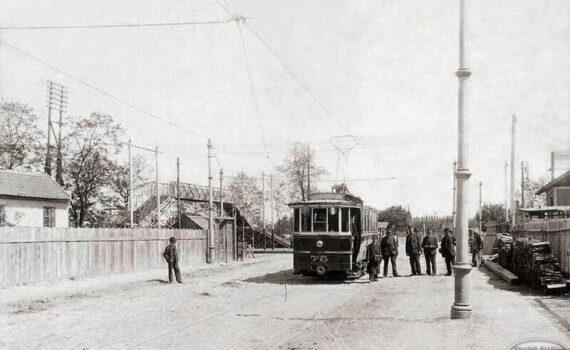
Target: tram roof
x,y
330,198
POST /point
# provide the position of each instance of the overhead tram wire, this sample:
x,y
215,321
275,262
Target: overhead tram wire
x,y
122,25
101,91
252,88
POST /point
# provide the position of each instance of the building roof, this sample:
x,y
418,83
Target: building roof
x,y
31,185
562,180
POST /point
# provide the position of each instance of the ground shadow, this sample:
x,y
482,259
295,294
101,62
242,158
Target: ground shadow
x,y
158,280
287,276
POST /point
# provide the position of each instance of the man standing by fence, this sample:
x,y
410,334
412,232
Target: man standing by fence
x,y
171,256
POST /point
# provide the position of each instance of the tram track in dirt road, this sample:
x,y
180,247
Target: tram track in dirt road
x,y
292,331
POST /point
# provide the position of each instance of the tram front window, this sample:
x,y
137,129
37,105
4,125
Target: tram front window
x,y
305,219
333,219
345,225
320,220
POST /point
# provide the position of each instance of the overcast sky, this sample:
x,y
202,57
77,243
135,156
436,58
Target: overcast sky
x,y
384,69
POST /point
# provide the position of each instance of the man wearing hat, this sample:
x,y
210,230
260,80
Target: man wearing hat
x,y
373,258
429,244
476,245
389,247
414,250
447,250
171,256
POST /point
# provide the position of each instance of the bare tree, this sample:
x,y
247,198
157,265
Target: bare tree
x,y
531,199
20,137
296,168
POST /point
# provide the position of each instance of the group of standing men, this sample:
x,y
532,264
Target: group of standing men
x,y
387,251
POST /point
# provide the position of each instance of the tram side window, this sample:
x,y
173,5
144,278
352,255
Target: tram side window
x,y
333,219
305,219
345,225
320,220
296,220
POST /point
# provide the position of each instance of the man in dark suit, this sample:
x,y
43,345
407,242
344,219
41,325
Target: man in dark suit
x,y
476,246
448,250
373,258
171,256
389,247
429,245
414,250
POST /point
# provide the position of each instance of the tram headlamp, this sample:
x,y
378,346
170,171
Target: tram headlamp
x,y
319,244
333,211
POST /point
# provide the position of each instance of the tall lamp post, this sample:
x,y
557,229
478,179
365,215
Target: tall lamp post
x,y
461,308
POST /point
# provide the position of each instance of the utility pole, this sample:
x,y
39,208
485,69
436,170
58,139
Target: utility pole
x,y
59,160
47,167
263,210
221,193
157,191
480,207
513,169
454,212
461,308
552,166
272,210
506,191
131,216
522,184
309,172
178,209
211,237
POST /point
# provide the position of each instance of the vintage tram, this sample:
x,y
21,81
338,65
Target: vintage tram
x,y
330,235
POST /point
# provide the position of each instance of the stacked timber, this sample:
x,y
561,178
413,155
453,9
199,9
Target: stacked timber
x,y
503,247
532,261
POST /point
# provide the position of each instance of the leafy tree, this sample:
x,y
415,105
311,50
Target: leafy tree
x,y
90,147
247,195
20,137
397,215
295,168
492,212
531,199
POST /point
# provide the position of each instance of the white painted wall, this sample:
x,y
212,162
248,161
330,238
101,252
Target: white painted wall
x,y
30,213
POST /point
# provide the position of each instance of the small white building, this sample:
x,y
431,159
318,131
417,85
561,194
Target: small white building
x,y
32,199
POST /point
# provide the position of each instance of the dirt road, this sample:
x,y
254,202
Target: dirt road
x,y
264,306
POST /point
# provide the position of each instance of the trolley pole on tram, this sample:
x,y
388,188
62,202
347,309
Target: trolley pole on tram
x,y
461,308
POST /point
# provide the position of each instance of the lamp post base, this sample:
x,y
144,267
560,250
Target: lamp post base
x,y
460,312
461,308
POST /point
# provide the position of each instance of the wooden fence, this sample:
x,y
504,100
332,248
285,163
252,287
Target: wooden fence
x,y
555,231
30,255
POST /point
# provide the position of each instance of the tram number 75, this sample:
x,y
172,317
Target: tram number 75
x,y
319,258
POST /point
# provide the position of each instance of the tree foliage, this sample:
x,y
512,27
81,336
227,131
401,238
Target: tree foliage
x,y
20,137
397,215
531,199
247,195
296,167
492,213
91,147
119,181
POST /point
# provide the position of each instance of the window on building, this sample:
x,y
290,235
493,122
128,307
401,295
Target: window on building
x,y
49,217
333,219
320,220
2,215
